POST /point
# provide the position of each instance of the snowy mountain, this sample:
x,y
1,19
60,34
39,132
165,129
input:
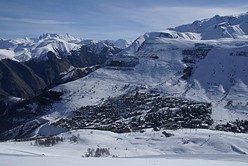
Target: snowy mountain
x,y
121,43
204,71
27,49
218,27
46,61
65,37
61,45
172,79
172,96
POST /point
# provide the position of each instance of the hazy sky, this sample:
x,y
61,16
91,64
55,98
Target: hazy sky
x,y
106,19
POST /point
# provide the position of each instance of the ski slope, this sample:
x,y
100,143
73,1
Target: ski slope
x,y
190,147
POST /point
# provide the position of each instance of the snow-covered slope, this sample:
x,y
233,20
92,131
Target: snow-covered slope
x,y
218,27
65,37
4,54
184,147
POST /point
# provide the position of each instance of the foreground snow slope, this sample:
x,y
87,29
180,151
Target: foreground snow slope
x,y
134,144
65,161
183,147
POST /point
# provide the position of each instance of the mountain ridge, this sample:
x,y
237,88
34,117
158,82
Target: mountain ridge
x,y
218,27
51,69
25,49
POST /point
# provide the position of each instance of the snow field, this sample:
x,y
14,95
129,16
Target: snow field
x,y
65,161
186,147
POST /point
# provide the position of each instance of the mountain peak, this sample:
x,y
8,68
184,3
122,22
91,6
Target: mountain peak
x,y
48,35
65,37
121,43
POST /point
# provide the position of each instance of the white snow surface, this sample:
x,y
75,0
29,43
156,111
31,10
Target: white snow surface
x,y
185,147
65,161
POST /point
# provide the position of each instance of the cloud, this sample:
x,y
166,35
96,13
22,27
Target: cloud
x,y
35,21
162,17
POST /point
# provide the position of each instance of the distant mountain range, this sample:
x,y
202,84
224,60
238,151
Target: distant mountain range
x,y
28,66
26,49
192,76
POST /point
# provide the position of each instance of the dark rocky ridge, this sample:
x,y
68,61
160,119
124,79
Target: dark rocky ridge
x,y
49,70
17,79
87,56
